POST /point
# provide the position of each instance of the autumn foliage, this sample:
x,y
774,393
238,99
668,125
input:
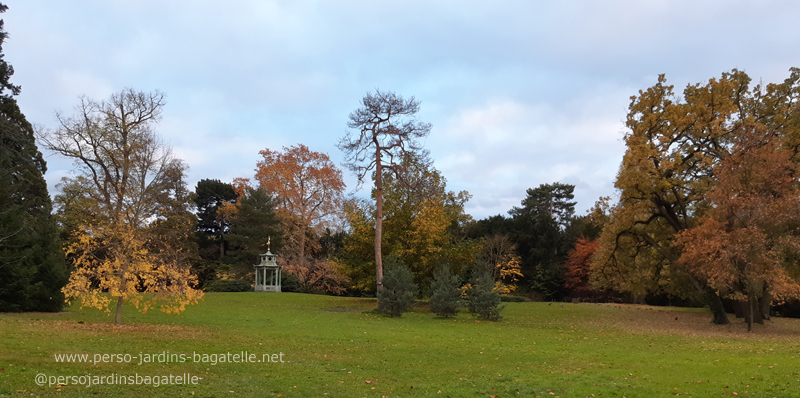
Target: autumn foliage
x,y
578,266
308,184
742,245
117,261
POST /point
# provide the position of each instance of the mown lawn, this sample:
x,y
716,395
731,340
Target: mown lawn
x,y
334,347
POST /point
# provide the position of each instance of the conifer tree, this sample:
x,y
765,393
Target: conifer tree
x,y
32,266
399,288
445,292
482,300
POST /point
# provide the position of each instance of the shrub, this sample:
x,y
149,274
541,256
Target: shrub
x,y
513,299
289,283
445,292
483,301
399,288
228,285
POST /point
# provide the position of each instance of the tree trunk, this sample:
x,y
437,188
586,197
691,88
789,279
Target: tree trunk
x,y
740,308
118,318
378,219
716,307
750,312
221,244
765,303
757,317
122,285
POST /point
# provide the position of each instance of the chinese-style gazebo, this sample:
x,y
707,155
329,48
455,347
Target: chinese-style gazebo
x,y
268,273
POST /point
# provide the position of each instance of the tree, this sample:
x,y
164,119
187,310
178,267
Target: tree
x,y
744,245
540,231
578,267
387,133
673,144
210,196
127,178
501,254
482,299
318,275
358,255
541,221
398,294
32,267
253,225
445,292
422,226
310,190
422,219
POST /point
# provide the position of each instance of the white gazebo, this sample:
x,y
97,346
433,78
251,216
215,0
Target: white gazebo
x,y
268,273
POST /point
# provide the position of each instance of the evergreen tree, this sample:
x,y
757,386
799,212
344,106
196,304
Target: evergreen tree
x,y
32,266
482,300
398,290
445,292
210,195
252,225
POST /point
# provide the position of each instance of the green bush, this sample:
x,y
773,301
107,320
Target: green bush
x,y
228,285
289,283
399,288
445,292
482,300
514,299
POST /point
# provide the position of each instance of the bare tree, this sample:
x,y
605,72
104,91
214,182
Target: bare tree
x,y
114,145
386,132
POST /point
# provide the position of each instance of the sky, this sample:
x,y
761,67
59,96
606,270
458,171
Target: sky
x,y
519,93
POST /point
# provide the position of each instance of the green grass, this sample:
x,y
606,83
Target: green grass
x,y
335,347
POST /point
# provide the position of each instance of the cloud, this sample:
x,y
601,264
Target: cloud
x,y
519,93
502,148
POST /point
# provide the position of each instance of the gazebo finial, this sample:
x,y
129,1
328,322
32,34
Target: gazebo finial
x,y
269,239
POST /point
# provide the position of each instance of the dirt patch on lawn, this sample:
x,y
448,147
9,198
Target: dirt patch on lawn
x,y
343,309
693,323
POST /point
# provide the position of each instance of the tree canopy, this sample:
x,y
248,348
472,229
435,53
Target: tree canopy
x,y
673,145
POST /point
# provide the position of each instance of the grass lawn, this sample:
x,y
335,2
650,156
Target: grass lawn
x,y
332,347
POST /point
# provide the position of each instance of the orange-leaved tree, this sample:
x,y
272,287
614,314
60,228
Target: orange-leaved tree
x,y
310,192
578,266
745,244
310,195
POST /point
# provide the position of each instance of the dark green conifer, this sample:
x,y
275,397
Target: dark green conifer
x,y
445,292
482,300
32,265
399,289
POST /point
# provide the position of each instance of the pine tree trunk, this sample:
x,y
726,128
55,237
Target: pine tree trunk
x,y
378,219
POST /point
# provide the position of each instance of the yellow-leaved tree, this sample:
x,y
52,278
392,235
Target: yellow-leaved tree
x,y
422,226
128,210
500,254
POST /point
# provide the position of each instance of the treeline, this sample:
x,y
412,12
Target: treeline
x,y
708,210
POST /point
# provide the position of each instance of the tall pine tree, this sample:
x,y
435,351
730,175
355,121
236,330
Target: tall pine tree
x,y
32,266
